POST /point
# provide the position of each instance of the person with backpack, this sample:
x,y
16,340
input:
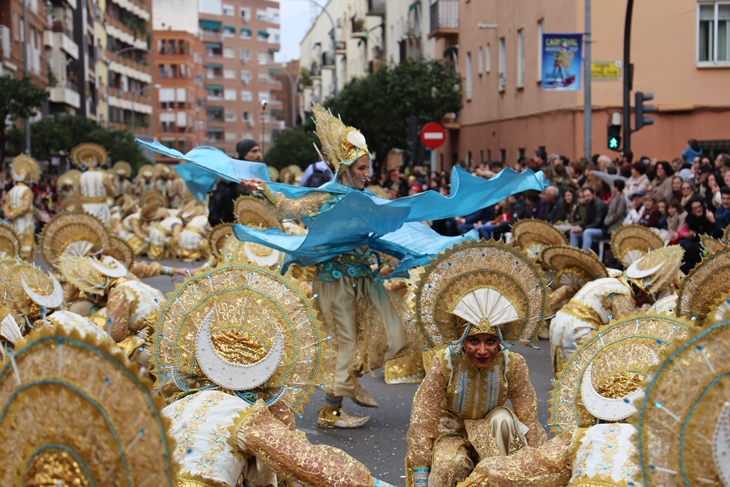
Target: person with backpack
x,y
316,175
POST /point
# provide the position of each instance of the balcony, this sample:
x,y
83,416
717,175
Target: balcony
x,y
341,47
444,19
66,95
376,8
328,60
61,40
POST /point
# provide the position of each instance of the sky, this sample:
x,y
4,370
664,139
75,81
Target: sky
x,y
296,19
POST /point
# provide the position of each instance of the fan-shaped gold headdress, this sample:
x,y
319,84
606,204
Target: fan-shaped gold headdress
x,y
148,170
571,266
629,242
534,235
343,145
89,155
77,412
241,310
152,196
609,366
122,168
218,236
491,286
9,242
120,250
30,292
24,168
72,233
72,176
703,285
656,269
683,426
251,212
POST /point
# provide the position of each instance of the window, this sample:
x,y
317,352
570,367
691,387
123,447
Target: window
x,y
229,31
183,71
214,92
502,66
246,95
520,58
520,153
263,36
166,97
488,59
245,55
161,46
229,52
263,96
248,135
247,117
16,26
540,32
245,14
228,10
469,84
245,33
479,60
274,17
263,76
263,57
713,43
230,116
502,155
246,76
261,14
229,73
230,136
229,94
167,122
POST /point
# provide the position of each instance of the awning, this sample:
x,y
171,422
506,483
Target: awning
x,y
263,33
274,72
246,30
229,28
214,87
273,50
450,51
213,45
215,130
214,66
215,109
210,24
414,5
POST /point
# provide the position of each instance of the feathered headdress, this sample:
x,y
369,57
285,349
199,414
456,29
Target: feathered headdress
x,y
343,145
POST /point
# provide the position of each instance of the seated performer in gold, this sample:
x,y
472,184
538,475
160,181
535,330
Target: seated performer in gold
x,y
459,415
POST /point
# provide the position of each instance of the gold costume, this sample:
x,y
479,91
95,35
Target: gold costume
x,y
18,207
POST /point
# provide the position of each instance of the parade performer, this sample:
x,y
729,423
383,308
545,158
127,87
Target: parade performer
x,y
95,185
68,184
131,230
473,303
164,230
163,178
192,243
145,179
122,185
18,206
234,380
177,190
645,281
348,224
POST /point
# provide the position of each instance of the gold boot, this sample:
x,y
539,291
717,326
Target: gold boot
x,y
337,418
363,398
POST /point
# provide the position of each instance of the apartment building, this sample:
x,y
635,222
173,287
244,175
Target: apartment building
x,y
61,54
13,39
124,67
359,49
407,31
289,76
240,38
680,52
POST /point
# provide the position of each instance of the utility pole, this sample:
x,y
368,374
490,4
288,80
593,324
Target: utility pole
x,y
587,102
628,76
25,69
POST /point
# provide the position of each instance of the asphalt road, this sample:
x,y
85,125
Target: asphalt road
x,y
381,443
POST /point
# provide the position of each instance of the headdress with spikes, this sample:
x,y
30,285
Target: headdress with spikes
x,y
343,145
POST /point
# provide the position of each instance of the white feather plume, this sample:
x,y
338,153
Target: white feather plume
x,y
357,139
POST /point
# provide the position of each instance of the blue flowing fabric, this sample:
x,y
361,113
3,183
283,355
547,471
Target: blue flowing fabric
x,y
359,217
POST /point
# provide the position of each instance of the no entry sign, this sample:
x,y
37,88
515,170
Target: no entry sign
x,y
433,135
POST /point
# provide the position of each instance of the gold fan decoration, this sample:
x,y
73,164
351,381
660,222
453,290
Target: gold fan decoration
x,y
571,266
152,197
76,412
72,233
683,432
249,305
9,242
619,356
218,236
726,234
88,155
25,168
251,212
630,242
711,245
657,269
80,272
122,168
120,250
703,285
532,236
16,299
472,266
237,252
71,203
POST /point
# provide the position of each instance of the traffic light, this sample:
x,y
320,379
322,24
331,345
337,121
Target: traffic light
x,y
614,137
640,109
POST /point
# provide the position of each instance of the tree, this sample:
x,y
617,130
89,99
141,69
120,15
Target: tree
x,y
59,133
293,147
18,99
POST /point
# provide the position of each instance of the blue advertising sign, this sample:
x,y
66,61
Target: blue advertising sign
x,y
562,61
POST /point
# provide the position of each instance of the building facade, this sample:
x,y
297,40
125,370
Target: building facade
x,y
407,31
679,51
289,76
13,40
61,54
240,38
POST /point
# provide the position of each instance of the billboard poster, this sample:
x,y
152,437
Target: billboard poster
x,y
562,62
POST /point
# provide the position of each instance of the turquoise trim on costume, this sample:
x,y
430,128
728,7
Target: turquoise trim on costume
x,y
124,370
65,448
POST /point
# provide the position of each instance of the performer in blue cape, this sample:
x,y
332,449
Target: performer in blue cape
x,y
347,225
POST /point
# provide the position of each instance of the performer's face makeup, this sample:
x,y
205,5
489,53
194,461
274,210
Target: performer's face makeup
x,y
360,172
481,349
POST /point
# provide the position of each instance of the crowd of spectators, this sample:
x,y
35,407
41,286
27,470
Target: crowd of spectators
x,y
680,200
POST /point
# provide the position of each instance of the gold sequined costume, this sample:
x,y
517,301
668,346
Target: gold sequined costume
x,y
459,415
95,186
193,240
18,206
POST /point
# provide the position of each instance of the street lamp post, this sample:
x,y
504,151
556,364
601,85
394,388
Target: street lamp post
x,y
134,100
334,44
108,65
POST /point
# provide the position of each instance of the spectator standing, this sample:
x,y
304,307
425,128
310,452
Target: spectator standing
x,y
722,215
220,203
662,184
592,228
553,205
663,215
650,215
617,207
722,163
700,221
638,180
693,150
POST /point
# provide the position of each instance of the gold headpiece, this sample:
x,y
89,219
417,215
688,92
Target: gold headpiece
x,y
608,367
571,266
534,235
343,145
122,168
711,245
30,292
9,242
487,286
72,176
24,168
152,211
81,273
656,269
162,169
218,236
630,242
683,423
72,233
704,284
77,412
120,250
146,171
89,155
273,173
224,327
152,196
251,212
70,203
